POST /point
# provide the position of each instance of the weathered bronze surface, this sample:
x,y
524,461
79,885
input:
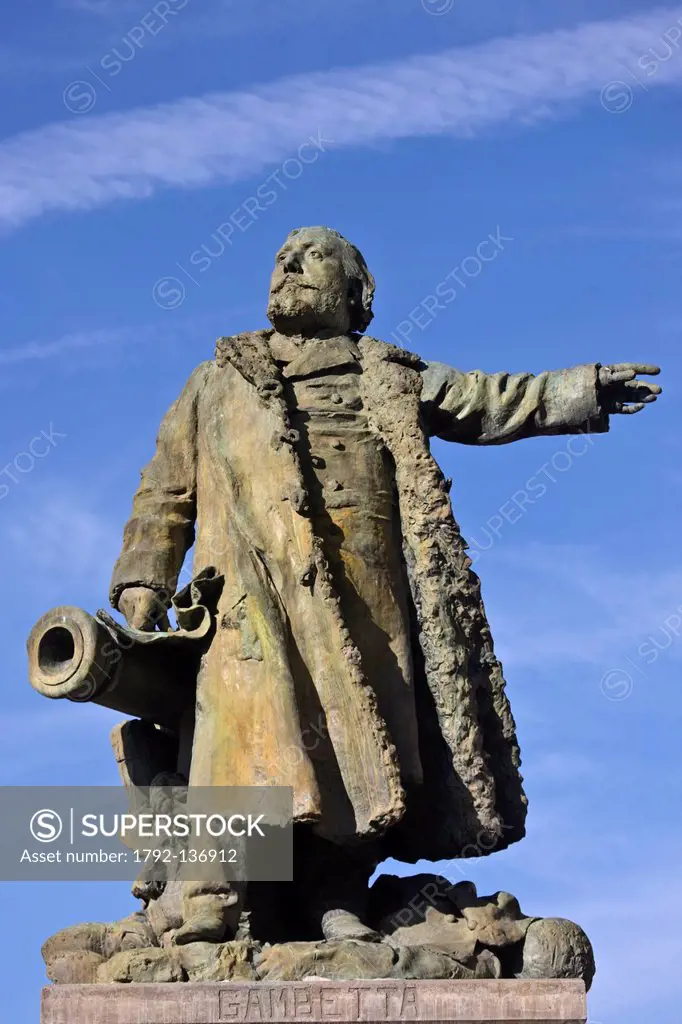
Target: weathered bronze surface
x,y
348,655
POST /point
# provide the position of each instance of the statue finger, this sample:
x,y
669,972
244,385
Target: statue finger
x,y
639,391
628,410
145,625
141,619
647,368
620,373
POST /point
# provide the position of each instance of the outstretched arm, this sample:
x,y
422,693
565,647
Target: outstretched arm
x,y
160,530
481,408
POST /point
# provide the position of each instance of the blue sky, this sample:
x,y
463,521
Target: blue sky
x,y
134,134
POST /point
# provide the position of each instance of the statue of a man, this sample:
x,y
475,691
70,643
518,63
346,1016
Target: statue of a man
x,y
352,659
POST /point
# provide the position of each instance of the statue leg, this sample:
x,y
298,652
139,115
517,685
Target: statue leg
x,y
333,885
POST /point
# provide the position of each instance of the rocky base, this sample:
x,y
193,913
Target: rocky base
x,y
426,928
315,1002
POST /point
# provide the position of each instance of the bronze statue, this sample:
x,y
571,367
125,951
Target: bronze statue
x,y
351,657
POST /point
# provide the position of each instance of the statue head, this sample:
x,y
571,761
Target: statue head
x,y
320,283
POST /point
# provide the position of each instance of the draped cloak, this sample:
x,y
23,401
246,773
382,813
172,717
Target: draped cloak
x,y
283,697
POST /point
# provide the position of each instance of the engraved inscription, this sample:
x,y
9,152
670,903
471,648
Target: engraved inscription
x,y
319,1003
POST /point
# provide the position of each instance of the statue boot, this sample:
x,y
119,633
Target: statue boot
x,y
343,924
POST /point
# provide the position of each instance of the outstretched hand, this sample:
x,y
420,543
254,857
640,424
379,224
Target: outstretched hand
x,y
621,391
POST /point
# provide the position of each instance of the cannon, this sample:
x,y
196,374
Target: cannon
x,y
81,657
150,677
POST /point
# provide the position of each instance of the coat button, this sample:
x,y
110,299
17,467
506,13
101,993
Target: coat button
x,y
298,498
334,485
317,461
270,388
339,445
308,577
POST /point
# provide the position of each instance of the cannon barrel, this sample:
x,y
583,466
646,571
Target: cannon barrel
x,y
75,656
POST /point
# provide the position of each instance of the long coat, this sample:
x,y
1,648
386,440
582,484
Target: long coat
x,y
227,470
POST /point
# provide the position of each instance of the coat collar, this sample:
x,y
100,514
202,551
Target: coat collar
x,y
263,359
315,356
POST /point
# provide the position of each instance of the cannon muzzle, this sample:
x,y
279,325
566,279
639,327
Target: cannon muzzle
x,y
76,656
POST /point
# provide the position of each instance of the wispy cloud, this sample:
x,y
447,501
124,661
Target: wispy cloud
x,y
607,613
62,529
36,350
229,136
106,339
19,63
100,7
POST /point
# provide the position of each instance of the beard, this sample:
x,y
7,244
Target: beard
x,y
295,308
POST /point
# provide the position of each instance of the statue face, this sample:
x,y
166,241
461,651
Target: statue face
x,y
309,286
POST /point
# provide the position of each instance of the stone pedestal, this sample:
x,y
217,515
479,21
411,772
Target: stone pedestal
x,y
317,1001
